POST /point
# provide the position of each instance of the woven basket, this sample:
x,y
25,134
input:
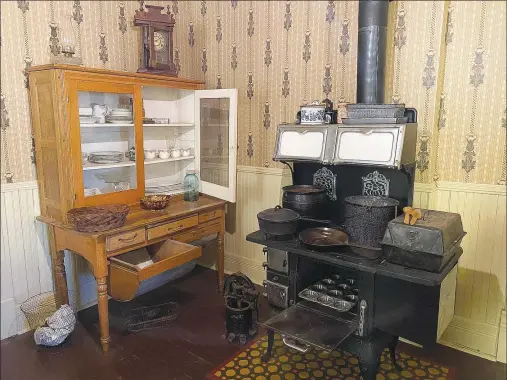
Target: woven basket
x,y
98,218
155,202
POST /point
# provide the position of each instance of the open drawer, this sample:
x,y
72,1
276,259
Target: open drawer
x,y
302,325
128,272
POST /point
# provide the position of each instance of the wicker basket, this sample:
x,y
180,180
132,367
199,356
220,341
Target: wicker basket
x,y
98,218
155,202
38,308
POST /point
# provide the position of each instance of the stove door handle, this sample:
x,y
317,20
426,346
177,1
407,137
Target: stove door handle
x,y
301,348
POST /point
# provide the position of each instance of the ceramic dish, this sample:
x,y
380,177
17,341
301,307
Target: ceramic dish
x,y
87,120
150,154
175,153
164,154
106,157
160,121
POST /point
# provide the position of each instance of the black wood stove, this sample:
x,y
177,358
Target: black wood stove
x,y
372,152
391,301
385,301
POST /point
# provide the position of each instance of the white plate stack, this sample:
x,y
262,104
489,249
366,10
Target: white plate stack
x,y
119,116
85,116
163,188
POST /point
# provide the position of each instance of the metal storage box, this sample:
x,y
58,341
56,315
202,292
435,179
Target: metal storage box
x,y
360,111
428,245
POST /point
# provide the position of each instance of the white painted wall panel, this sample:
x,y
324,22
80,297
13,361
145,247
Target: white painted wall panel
x,y
25,259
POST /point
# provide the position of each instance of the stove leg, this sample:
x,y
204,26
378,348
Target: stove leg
x,y
271,337
392,352
369,369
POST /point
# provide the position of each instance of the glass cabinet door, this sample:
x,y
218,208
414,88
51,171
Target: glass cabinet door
x,y
107,157
216,146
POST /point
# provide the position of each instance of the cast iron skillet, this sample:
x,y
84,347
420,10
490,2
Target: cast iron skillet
x,y
323,238
328,239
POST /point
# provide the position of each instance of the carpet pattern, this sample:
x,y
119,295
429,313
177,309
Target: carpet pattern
x,y
289,364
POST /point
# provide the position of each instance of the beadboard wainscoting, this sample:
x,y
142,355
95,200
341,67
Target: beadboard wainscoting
x,y
257,189
26,262
479,323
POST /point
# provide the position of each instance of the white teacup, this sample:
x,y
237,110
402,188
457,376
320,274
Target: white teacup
x,y
185,152
164,154
175,153
150,154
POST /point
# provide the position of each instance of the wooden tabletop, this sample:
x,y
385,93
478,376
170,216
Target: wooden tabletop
x,y
137,216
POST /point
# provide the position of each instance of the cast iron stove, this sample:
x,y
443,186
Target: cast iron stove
x,y
392,300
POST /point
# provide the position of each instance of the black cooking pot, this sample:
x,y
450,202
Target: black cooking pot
x,y
366,218
307,200
278,221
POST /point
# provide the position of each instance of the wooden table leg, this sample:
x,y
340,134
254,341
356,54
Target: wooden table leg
x,y
220,260
57,258
103,313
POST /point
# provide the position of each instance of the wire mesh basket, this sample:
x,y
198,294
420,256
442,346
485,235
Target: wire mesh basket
x,y
39,308
149,317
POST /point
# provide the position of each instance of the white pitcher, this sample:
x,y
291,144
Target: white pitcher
x,y
100,111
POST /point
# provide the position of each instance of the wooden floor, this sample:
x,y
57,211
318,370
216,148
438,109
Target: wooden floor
x,y
188,349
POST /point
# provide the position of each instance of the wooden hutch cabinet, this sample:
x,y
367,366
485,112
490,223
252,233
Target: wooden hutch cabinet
x,y
92,130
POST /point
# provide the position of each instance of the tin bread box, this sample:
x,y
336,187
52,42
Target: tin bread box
x,y
427,244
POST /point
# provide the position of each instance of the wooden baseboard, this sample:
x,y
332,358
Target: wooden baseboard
x,y
473,337
251,268
501,352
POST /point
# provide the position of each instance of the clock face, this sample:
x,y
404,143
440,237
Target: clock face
x,y
159,41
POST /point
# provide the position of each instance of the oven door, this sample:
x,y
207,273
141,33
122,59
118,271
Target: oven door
x,y
379,145
304,324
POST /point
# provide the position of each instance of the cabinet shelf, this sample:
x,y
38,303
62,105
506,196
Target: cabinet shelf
x,y
159,160
105,125
92,166
169,125
110,125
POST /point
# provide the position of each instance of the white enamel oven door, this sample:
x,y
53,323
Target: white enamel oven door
x,y
367,145
216,141
301,142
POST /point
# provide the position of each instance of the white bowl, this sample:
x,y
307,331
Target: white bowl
x,y
163,154
150,154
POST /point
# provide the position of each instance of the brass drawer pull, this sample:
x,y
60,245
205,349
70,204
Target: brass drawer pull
x,y
174,228
129,239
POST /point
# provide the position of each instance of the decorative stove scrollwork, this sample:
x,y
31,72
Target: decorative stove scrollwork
x,y
326,179
376,184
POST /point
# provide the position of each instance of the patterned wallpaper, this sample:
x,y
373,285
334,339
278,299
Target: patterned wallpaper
x,y
448,60
444,59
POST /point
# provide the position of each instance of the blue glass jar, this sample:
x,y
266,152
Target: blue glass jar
x,y
191,186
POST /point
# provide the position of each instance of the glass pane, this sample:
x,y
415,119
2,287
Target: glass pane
x,y
107,134
215,141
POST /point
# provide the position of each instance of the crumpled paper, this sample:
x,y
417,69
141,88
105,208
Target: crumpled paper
x,y
57,327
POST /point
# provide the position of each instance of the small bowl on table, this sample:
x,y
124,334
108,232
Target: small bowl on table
x,y
155,202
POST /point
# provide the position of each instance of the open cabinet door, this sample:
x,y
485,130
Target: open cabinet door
x,y
216,141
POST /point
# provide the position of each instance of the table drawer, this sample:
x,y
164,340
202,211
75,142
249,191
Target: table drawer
x,y
125,239
172,227
215,214
128,271
197,233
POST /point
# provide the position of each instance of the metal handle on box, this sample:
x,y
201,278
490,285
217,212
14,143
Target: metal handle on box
x,y
302,349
